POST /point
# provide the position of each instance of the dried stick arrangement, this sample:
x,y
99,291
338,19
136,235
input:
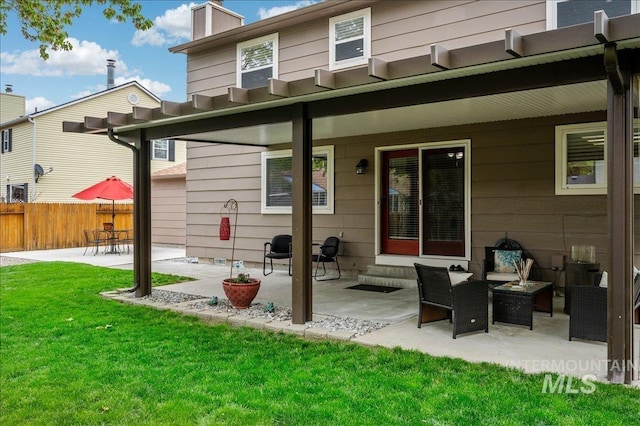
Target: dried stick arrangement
x,y
523,268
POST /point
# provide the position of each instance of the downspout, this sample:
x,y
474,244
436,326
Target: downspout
x,y
611,67
33,158
135,152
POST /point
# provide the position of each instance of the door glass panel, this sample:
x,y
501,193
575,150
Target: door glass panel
x,y
444,208
403,198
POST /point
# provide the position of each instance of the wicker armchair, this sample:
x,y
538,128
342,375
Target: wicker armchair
x,y
494,277
465,304
588,309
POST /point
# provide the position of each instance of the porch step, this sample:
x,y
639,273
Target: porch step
x,y
389,276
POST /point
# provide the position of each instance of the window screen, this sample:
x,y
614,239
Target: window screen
x,y
585,157
349,38
256,64
573,12
279,181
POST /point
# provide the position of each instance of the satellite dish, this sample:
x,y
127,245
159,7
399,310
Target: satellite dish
x,y
38,171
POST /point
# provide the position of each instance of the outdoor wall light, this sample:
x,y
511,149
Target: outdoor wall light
x,y
361,166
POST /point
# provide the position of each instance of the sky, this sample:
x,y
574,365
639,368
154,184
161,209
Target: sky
x,y
140,56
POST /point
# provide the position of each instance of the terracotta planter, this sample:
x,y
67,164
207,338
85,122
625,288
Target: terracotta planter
x,y
241,295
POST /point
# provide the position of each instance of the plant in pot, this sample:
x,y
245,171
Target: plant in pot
x,y
243,289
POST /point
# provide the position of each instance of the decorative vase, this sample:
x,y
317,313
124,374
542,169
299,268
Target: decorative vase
x,y
241,295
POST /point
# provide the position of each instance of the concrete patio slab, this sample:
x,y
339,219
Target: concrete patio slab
x,y
546,348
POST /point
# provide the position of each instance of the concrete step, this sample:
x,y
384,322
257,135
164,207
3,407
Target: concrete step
x,y
389,276
392,271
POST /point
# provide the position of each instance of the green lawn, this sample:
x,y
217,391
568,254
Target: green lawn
x,y
70,357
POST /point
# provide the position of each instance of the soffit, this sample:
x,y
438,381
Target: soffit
x,y
575,98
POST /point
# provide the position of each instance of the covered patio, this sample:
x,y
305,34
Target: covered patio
x,y
590,67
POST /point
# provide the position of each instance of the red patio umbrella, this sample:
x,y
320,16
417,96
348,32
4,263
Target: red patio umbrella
x,y
112,188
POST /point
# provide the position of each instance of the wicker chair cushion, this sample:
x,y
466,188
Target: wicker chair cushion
x,y
503,261
502,276
459,277
604,278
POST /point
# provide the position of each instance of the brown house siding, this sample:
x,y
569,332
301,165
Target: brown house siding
x,y
399,29
513,170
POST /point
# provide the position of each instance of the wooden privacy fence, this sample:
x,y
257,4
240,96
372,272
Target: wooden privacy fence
x,y
42,226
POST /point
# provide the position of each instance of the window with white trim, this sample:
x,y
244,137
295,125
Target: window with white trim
x,y
161,150
350,39
581,159
257,61
17,193
277,181
564,13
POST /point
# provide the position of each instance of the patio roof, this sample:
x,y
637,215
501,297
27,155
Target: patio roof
x,y
401,95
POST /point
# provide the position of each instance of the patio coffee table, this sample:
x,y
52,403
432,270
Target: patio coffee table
x,y
515,304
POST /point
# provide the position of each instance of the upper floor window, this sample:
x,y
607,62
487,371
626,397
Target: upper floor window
x,y
564,13
277,181
257,61
7,136
350,39
581,159
164,150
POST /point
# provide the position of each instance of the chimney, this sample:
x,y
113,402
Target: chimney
x,y
111,67
211,18
8,88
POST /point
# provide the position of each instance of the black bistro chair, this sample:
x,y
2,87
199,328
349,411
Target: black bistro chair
x,y
465,304
328,252
92,239
278,248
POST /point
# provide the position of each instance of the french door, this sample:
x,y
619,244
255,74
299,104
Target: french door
x,y
424,201
400,202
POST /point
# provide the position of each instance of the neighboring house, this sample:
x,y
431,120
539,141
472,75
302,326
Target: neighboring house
x,y
11,105
40,163
169,206
476,118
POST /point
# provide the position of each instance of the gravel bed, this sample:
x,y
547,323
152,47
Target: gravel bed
x,y
8,261
257,310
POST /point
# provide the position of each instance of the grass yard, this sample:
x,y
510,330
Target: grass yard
x,y
69,357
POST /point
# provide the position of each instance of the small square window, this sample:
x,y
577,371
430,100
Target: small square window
x,y
350,39
257,61
161,150
17,193
277,181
